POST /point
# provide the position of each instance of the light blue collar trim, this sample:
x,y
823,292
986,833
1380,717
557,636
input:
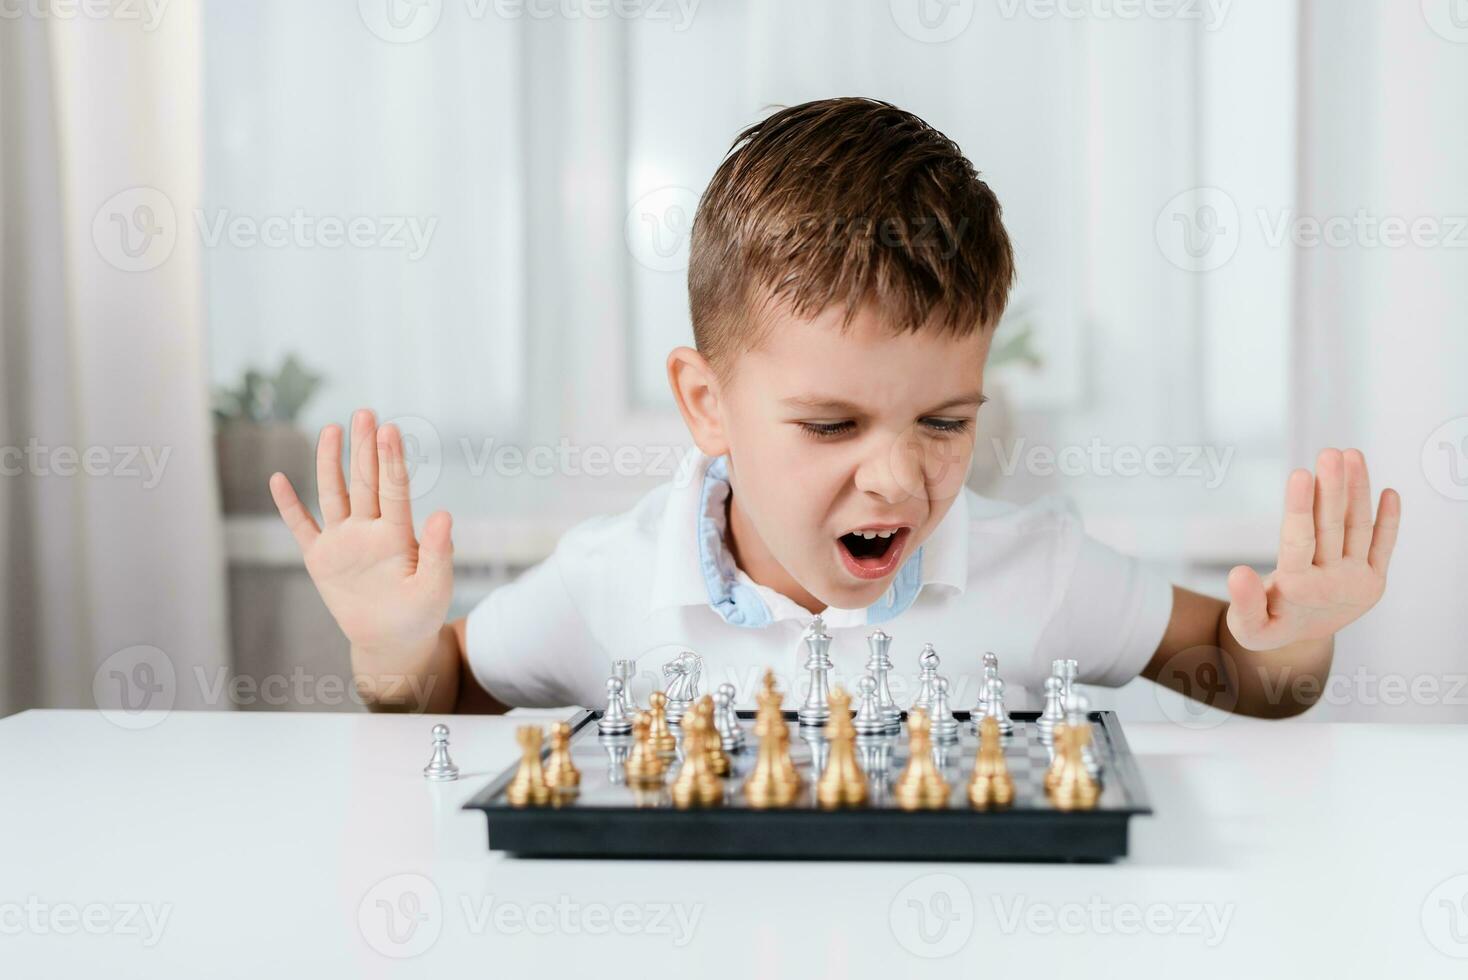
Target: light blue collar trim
x,y
738,603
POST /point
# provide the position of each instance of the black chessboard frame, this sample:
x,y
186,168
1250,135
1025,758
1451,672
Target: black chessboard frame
x,y
605,822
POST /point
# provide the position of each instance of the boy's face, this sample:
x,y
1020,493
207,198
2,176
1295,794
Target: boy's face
x,y
846,448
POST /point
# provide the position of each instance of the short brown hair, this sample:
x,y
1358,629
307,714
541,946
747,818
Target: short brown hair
x,y
846,201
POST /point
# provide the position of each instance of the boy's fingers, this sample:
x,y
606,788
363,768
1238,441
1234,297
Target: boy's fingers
x,y
1330,506
301,524
330,488
1388,519
1297,531
364,465
436,550
1358,506
394,499
1248,603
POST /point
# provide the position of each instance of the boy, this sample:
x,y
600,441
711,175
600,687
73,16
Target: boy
x,y
848,267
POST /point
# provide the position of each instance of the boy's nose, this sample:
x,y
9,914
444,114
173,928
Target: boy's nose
x,y
893,470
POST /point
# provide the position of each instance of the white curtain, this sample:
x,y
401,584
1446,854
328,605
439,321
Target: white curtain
x,y
109,531
1381,346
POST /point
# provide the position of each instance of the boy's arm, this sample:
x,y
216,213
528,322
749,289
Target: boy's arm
x,y
1267,653
440,683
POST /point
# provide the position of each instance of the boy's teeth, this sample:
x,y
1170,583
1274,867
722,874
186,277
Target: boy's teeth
x,y
885,534
869,534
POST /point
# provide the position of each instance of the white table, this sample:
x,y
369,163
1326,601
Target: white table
x,y
277,845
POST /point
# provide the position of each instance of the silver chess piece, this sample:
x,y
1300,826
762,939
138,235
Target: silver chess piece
x,y
680,684
994,707
879,665
943,727
817,707
1066,670
725,723
627,669
820,748
440,767
618,747
614,720
735,730
981,706
1054,711
927,673
1078,713
869,719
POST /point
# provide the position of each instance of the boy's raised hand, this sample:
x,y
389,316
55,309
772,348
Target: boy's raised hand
x,y
1332,558
388,591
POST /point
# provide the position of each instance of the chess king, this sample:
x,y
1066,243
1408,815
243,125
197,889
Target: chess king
x,y
848,271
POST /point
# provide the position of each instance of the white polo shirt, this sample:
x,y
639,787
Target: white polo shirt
x,y
1024,582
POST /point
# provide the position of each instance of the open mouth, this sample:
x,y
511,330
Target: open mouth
x,y
874,552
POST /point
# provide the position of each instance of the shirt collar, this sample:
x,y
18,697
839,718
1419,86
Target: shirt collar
x,y
694,568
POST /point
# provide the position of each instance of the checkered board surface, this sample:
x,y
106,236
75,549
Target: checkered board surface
x,y
609,819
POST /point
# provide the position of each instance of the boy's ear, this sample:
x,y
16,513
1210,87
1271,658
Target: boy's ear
x,y
696,389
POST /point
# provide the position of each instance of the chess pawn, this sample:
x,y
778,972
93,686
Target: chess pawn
x,y
645,767
869,718
1066,670
1074,788
1054,711
615,721
663,740
726,723
1078,715
981,705
991,784
927,673
618,747
696,785
774,781
816,710
440,767
713,744
626,670
561,775
994,707
921,785
944,727
527,787
879,665
843,783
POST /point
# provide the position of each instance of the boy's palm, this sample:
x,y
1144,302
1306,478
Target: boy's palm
x,y
1332,558
388,591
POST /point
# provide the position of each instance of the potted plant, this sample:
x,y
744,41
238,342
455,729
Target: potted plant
x,y
255,435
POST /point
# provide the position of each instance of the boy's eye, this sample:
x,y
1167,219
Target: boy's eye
x,y
825,430
947,425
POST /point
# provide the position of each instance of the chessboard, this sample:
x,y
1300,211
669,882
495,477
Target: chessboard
x,y
607,818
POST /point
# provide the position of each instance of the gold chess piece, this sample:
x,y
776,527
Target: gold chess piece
x,y
696,783
1075,788
664,742
644,767
921,785
774,781
718,758
561,775
1057,759
843,784
991,783
527,787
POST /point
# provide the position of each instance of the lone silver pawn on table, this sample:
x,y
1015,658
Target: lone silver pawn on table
x,y
440,767
879,665
816,710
